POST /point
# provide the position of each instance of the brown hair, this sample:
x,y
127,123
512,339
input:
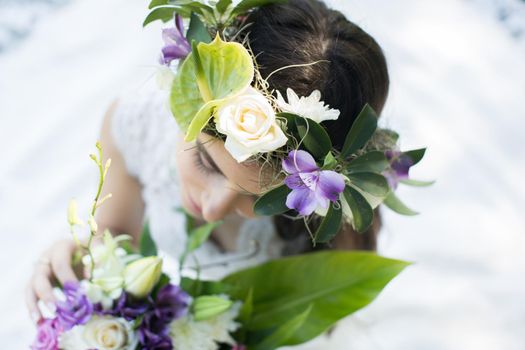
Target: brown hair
x,y
352,72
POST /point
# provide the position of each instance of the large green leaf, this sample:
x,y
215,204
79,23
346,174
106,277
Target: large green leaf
x,y
330,224
283,332
272,202
335,283
222,5
362,213
372,183
360,132
155,3
374,161
394,203
224,69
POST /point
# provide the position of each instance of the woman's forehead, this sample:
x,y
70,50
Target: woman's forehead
x,y
245,176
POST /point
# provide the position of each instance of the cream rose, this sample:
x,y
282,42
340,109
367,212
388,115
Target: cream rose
x,y
102,333
248,121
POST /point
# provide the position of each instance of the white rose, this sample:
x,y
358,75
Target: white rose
x,y
102,333
248,121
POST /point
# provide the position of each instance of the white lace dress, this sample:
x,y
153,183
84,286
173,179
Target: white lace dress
x,y
145,133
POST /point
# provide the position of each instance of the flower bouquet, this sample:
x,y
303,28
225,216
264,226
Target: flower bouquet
x,y
128,302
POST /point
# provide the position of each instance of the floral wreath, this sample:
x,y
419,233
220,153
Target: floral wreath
x,y
215,86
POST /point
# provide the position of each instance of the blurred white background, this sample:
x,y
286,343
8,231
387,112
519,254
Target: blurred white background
x,y
458,87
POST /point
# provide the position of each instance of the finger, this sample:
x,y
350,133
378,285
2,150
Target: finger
x,y
31,304
61,264
42,287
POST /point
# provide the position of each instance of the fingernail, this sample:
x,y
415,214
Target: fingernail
x,y
35,317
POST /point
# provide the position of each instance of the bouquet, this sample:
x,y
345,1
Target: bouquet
x,y
128,302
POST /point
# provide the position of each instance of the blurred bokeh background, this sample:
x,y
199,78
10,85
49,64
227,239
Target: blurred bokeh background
x,y
458,87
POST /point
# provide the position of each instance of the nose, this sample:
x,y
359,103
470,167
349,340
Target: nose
x,y
218,202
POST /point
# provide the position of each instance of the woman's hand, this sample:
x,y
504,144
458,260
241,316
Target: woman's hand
x,y
55,264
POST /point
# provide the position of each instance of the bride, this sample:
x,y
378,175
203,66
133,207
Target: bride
x,y
154,171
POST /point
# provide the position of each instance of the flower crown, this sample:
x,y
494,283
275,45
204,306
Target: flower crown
x,y
211,87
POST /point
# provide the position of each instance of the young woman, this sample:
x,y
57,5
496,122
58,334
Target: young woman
x,y
154,171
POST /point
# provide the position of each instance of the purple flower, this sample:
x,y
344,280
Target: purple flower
x,y
176,45
47,335
153,333
400,164
171,303
239,347
75,309
128,308
311,187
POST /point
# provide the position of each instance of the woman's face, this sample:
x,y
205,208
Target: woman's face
x,y
213,184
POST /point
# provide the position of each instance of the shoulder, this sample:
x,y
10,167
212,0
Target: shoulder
x,y
141,125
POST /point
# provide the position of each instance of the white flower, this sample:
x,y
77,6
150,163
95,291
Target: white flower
x,y
310,107
102,333
142,275
248,121
188,334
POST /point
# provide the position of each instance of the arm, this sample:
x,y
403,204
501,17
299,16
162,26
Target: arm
x,y
121,214
124,212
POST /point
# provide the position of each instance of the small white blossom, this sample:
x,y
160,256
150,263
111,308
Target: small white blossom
x,y
310,107
188,334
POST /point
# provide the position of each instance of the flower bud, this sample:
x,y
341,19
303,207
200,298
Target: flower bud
x,y
72,214
142,275
208,306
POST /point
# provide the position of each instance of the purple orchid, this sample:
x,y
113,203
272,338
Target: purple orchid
x,y
176,45
75,309
47,335
400,164
311,187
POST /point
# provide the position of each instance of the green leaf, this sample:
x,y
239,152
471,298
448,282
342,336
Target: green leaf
x,y
197,288
329,162
155,3
246,5
372,183
314,136
247,308
416,154
330,224
416,183
374,161
197,237
208,306
394,203
226,69
222,5
284,331
362,212
164,13
360,132
335,283
197,31
147,244
272,202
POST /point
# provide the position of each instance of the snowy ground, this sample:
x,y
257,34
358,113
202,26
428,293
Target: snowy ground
x,y
458,84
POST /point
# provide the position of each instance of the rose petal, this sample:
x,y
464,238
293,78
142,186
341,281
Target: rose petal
x,y
299,161
330,185
302,200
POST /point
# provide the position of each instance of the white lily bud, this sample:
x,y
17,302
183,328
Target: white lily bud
x,y
72,214
141,276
